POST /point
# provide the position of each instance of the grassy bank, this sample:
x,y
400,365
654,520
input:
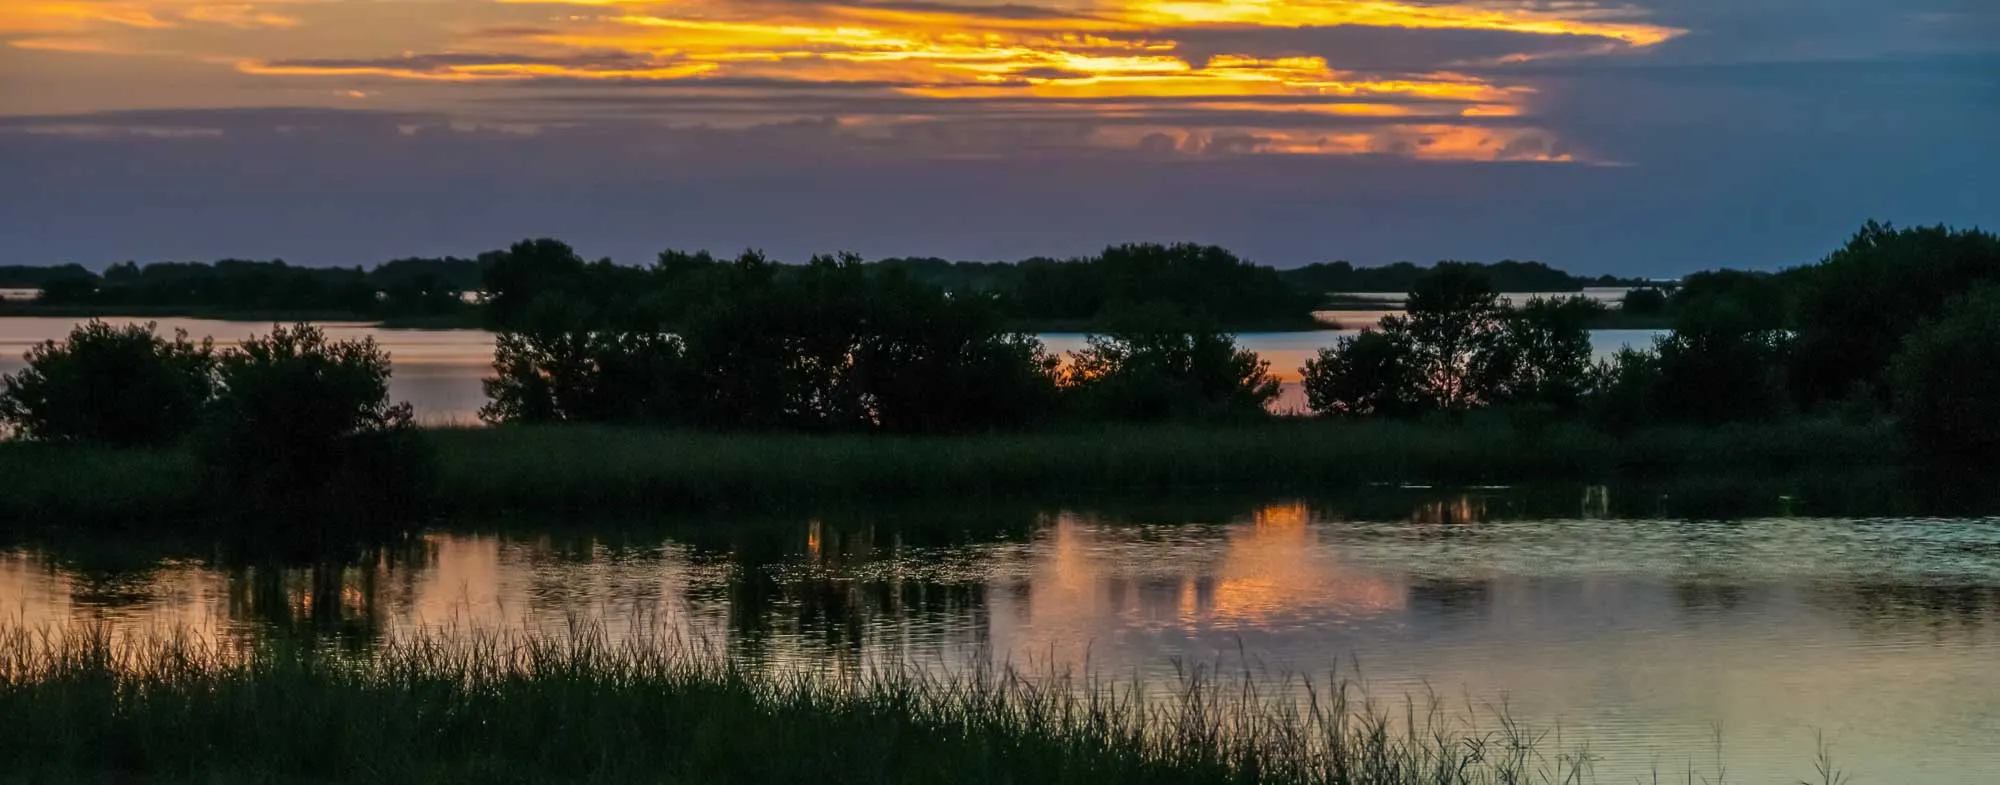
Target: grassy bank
x,y
590,469
581,708
607,470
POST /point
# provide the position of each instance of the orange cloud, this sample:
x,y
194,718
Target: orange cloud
x,y
1116,60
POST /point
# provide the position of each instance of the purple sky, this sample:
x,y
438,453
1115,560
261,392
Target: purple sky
x,y
1653,137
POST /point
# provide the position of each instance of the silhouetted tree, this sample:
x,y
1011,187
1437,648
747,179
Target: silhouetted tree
x,y
1454,327
303,425
1458,348
1643,302
1510,276
1163,366
1365,375
1946,381
531,269
931,363
110,385
1855,308
1715,367
1543,355
830,345
1756,298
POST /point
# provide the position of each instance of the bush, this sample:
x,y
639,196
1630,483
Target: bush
x,y
928,364
1167,372
110,385
1854,309
304,425
1363,375
1715,367
1458,349
822,347
1643,302
1624,390
586,376
1946,381
1544,354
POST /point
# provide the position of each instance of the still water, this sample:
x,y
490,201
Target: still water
x,y
438,371
1646,638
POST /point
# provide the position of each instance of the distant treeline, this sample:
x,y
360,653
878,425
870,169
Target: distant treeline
x,y
403,286
1506,276
1080,293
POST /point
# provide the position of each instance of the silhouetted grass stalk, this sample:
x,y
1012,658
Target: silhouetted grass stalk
x,y
531,707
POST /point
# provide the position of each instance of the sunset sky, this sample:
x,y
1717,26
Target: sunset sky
x,y
1651,136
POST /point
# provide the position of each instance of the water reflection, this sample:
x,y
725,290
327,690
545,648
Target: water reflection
x,y
1641,635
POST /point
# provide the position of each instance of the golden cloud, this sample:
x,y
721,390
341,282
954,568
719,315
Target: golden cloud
x,y
1119,60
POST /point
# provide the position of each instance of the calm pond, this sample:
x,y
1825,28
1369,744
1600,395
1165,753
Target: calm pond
x,y
1648,638
438,371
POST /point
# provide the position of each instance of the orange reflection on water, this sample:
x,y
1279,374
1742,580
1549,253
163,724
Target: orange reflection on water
x,y
1462,508
1274,566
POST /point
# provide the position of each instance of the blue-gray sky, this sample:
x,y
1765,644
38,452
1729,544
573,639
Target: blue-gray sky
x,y
1642,137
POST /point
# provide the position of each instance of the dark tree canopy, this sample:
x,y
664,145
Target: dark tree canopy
x,y
1460,347
1946,381
1507,276
124,385
1854,309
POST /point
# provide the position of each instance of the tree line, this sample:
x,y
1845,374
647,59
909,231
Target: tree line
x,y
1897,324
1044,293
397,288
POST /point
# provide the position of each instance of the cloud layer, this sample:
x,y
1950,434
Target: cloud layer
x,y
1624,135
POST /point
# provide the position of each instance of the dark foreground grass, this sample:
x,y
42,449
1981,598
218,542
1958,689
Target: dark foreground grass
x,y
613,470
580,708
584,469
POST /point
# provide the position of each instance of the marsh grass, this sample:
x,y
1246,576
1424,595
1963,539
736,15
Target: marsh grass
x,y
82,706
604,470
597,469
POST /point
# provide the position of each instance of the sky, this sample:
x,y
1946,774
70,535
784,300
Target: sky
x,y
1649,137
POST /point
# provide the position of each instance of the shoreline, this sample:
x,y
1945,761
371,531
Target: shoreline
x,y
472,321
567,470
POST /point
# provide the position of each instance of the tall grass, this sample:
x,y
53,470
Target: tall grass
x,y
597,469
606,470
582,708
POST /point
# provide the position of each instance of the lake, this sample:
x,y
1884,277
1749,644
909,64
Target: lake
x,y
1643,637
438,371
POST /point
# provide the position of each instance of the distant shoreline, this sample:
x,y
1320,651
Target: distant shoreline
x,y
602,470
1609,320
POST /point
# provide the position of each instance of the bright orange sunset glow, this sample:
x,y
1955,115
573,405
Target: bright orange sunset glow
x,y
1162,77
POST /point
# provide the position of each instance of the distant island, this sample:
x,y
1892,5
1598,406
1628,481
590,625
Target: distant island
x,y
1086,294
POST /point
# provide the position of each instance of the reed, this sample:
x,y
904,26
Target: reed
x,y
601,470
525,707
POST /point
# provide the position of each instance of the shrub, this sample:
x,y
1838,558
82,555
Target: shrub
x,y
304,425
586,376
1458,349
822,347
1171,370
1454,328
1715,367
1543,355
1643,302
1946,381
928,363
1624,389
1362,375
1854,309
110,385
